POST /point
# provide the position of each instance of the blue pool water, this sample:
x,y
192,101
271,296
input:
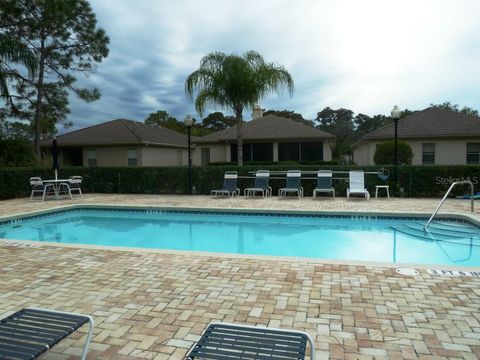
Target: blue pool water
x,y
344,238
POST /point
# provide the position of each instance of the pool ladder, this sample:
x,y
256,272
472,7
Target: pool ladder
x,y
445,197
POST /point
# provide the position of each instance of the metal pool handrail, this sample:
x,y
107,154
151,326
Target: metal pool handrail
x,y
445,197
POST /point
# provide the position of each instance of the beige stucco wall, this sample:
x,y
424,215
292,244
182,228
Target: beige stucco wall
x,y
146,156
447,151
218,153
111,155
164,156
169,156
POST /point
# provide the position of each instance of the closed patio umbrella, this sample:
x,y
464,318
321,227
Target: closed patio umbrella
x,y
55,157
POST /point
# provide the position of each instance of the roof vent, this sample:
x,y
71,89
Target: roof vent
x,y
257,112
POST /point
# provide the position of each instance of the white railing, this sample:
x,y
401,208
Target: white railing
x,y
445,197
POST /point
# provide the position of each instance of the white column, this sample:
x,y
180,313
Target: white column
x,y
228,153
327,150
275,151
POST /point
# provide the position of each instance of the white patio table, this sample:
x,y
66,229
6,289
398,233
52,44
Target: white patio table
x,y
56,184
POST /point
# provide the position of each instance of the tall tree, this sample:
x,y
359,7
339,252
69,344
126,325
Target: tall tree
x,y
365,124
63,36
15,130
217,121
292,115
235,82
163,119
13,51
340,123
447,105
405,113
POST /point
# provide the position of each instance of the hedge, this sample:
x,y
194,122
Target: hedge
x,y
416,181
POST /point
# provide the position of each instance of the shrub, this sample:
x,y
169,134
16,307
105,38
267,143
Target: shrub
x,y
417,181
16,152
385,153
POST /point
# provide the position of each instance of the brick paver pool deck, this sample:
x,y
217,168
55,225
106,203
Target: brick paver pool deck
x,y
155,304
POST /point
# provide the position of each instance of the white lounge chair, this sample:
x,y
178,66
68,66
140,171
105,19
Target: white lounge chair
x,y
356,184
324,183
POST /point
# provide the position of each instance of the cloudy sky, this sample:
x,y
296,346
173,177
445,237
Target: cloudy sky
x,y
362,55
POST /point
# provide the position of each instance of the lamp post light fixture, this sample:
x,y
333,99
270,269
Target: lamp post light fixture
x,y
188,124
395,113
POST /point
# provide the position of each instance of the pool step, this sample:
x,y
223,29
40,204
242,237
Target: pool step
x,y
456,224
457,228
445,230
435,234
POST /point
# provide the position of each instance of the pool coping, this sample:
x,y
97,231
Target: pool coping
x,y
37,244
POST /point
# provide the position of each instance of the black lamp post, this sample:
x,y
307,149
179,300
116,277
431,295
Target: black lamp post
x,y
188,123
395,113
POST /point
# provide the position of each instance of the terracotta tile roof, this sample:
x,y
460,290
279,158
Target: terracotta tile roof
x,y
121,132
269,127
429,123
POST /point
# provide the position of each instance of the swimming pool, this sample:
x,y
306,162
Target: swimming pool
x,y
367,238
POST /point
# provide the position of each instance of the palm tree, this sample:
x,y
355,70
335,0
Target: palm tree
x,y
15,52
235,82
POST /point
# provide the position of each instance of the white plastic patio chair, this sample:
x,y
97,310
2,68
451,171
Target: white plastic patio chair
x,y
73,185
356,184
38,187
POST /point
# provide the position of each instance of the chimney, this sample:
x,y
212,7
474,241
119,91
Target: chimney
x,y
256,112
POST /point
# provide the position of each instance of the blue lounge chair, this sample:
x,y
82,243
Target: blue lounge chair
x,y
260,185
229,185
30,332
324,183
293,184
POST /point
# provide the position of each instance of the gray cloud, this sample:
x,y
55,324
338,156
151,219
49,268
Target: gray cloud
x,y
366,56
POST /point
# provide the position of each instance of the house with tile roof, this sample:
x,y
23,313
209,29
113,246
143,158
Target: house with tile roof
x,y
122,143
266,138
130,143
436,136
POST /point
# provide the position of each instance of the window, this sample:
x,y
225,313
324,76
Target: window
x,y
473,153
288,151
262,152
253,152
92,157
311,151
179,158
132,157
428,154
205,156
